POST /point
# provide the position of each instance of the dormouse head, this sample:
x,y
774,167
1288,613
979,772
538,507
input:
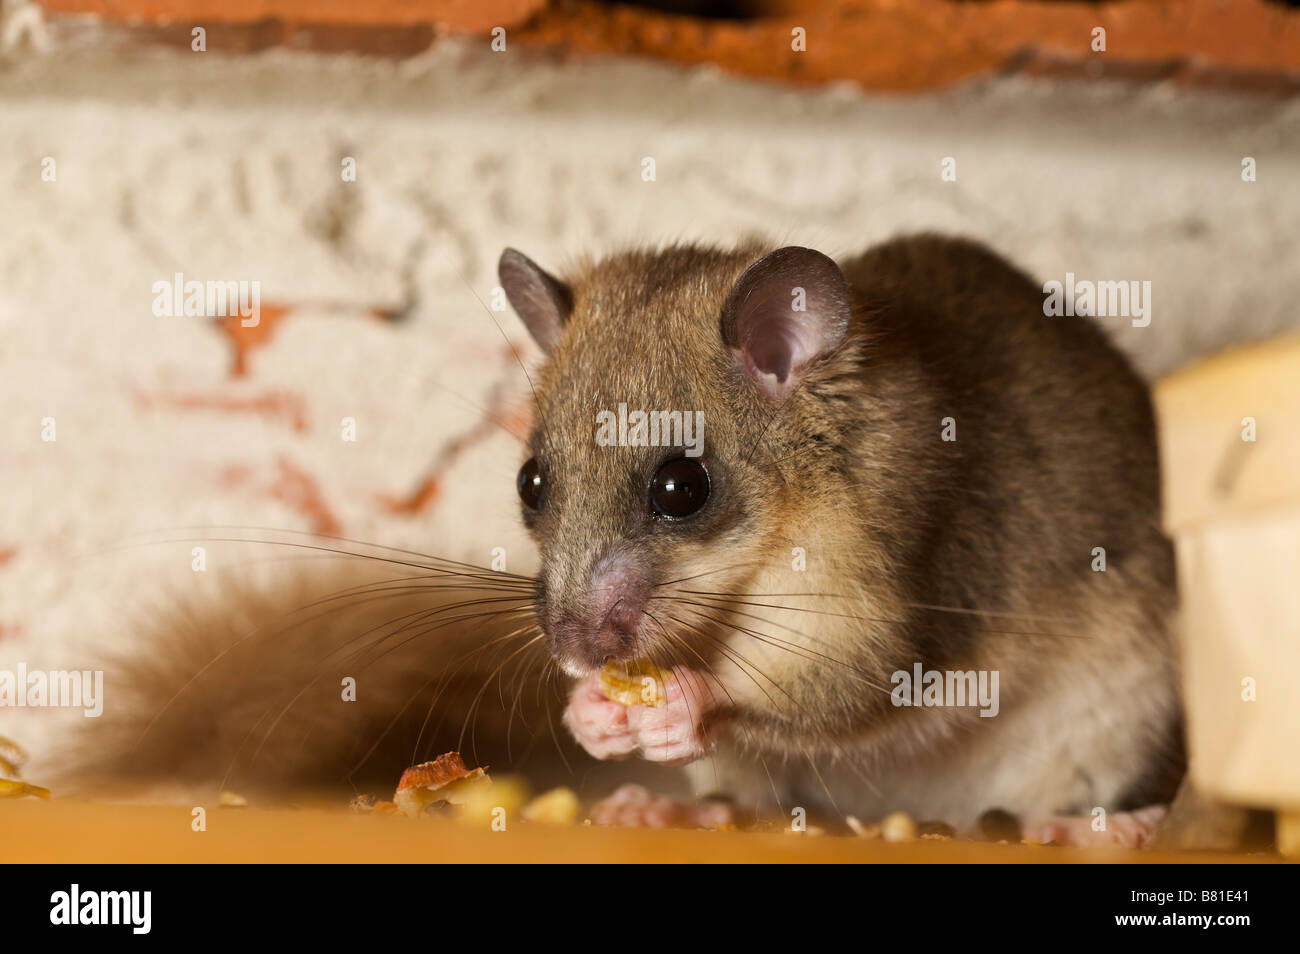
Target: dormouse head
x,y
674,379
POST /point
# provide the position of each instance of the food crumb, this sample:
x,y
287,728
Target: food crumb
x,y
898,827
445,779
365,804
12,789
559,806
936,830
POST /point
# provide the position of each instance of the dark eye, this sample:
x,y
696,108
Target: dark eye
x,y
680,488
530,484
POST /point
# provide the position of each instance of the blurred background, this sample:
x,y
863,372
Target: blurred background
x,y
365,163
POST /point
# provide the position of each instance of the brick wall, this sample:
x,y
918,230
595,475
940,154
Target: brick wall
x,y
880,44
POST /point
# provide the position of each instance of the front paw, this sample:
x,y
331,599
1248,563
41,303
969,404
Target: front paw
x,y
600,726
673,733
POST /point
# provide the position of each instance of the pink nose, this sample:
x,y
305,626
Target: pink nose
x,y
618,595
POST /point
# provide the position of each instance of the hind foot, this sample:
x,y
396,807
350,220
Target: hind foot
x,y
634,806
1134,829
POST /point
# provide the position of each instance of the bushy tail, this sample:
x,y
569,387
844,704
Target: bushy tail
x,y
329,680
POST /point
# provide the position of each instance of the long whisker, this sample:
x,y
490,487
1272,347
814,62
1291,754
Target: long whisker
x,y
807,755
422,561
733,655
490,614
551,672
679,643
721,569
316,678
469,718
935,713
896,622
791,647
796,648
927,606
445,678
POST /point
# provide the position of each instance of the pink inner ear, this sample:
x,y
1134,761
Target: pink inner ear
x,y
779,340
772,353
760,321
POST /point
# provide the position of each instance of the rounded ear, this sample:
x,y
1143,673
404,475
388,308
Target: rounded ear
x,y
542,301
788,309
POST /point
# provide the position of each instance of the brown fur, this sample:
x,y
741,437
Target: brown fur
x,y
1055,454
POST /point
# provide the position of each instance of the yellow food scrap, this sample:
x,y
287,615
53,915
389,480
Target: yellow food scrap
x,y
559,806
898,826
11,789
639,683
493,805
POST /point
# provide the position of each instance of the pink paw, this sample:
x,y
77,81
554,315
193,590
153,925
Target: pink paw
x,y
633,806
669,733
1125,829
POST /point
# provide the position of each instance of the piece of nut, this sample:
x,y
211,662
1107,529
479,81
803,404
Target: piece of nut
x,y
639,683
444,779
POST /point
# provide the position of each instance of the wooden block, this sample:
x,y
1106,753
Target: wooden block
x,y
1230,460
